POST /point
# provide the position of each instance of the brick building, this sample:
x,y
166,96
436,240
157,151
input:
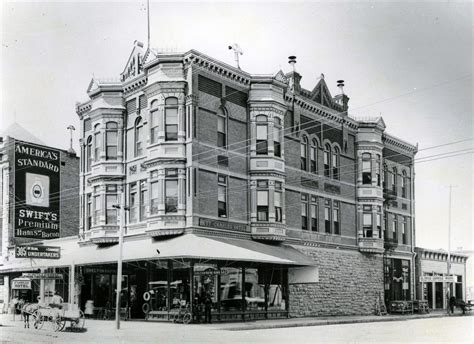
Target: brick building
x,y
202,148
266,196
23,156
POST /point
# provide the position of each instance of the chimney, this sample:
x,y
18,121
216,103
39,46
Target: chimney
x,y
293,76
341,99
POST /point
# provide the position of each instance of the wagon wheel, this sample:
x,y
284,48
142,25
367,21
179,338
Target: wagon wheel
x,y
79,322
38,320
58,323
187,318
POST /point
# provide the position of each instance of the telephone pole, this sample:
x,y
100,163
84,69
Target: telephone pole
x,y
122,208
449,292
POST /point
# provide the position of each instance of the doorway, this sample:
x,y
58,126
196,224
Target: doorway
x,y
439,295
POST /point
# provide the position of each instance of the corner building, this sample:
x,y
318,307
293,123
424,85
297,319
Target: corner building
x,y
250,188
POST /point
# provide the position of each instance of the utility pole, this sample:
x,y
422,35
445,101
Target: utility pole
x,y
449,247
122,208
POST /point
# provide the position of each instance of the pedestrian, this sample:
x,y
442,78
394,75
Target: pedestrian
x,y
452,303
207,308
56,300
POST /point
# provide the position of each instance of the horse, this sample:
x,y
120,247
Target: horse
x,y
26,310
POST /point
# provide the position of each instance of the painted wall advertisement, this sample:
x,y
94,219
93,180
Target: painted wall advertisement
x,y
37,171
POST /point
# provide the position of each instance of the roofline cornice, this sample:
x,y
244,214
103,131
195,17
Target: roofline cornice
x,y
399,143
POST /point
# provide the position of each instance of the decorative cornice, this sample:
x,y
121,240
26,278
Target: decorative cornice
x,y
398,143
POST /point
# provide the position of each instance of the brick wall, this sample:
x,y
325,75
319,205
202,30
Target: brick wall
x,y
349,283
69,209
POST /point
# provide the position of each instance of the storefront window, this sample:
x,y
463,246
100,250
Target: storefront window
x,y
179,286
158,286
231,289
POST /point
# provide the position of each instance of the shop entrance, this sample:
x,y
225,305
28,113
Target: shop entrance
x,y
438,295
429,287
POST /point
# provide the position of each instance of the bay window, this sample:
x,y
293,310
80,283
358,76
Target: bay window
x,y
262,200
97,142
154,198
88,153
278,202
155,121
111,141
277,137
171,190
171,119
367,221
366,168
262,135
110,201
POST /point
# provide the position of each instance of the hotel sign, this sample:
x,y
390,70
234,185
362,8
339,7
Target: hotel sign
x,y
203,222
21,284
40,252
37,194
448,279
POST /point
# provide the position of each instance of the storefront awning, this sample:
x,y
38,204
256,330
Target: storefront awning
x,y
184,247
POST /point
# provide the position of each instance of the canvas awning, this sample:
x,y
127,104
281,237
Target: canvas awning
x,y
184,247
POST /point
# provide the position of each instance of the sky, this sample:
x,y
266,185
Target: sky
x,y
410,62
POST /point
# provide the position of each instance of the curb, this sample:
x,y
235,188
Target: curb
x,y
263,326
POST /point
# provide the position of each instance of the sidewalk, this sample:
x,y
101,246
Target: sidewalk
x,y
7,320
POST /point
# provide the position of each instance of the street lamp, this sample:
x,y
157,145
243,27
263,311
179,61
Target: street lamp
x,y
122,208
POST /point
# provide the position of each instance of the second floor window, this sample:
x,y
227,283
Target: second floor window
x,y
335,218
221,196
278,202
221,129
262,200
97,207
304,212
404,184
404,228
111,200
377,169
327,216
171,191
143,199
138,137
111,141
133,203
367,221
379,221
171,119
89,211
314,213
394,180
366,169
262,135
303,153
154,198
395,229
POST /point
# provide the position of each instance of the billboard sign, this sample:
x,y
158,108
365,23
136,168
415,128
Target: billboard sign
x,y
21,283
37,189
42,275
40,252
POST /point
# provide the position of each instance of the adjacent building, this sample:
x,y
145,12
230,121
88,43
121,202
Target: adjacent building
x,y
39,197
435,282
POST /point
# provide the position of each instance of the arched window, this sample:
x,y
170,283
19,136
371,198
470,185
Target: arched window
x,y
262,135
327,159
221,129
97,142
394,180
88,153
366,168
404,184
335,163
138,137
111,140
171,119
303,153
313,156
277,137
155,121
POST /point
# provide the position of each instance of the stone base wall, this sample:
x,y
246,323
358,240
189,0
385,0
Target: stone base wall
x,y
349,284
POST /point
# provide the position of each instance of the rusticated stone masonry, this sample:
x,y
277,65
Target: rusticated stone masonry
x,y
349,283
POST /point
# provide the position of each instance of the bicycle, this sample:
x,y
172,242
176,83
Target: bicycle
x,y
184,315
